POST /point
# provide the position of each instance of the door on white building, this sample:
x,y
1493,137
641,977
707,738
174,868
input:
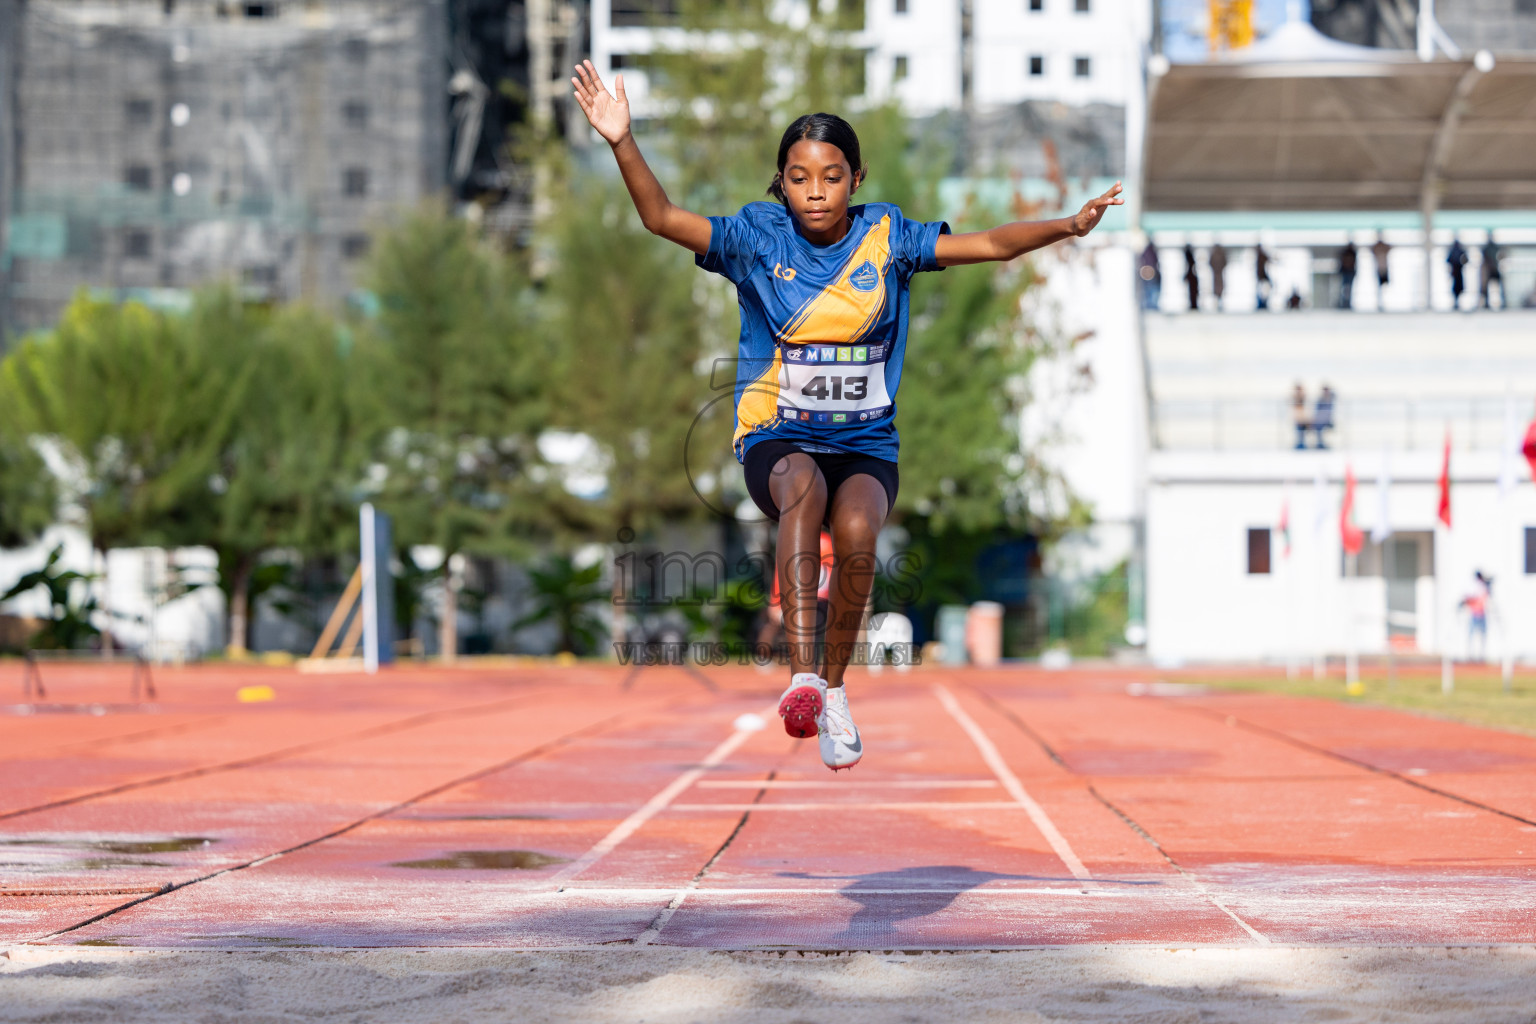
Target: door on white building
x,y
1402,559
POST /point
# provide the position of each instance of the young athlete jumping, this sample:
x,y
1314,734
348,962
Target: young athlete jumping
x,y
823,294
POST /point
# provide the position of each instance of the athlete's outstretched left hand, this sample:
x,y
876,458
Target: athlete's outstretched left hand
x,y
1088,217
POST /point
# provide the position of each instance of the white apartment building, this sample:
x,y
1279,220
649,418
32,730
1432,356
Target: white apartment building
x,y
935,55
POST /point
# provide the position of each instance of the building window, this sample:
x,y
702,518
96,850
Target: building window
x,y
138,177
1081,7
1037,5
354,181
137,245
355,247
1082,67
140,113
1036,66
1530,550
899,69
265,275
356,50
1258,551
355,113
901,6
267,10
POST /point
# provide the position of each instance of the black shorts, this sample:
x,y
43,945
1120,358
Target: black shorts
x,y
835,467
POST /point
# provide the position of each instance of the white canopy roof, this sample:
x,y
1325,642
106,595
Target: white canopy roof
x,y
1302,122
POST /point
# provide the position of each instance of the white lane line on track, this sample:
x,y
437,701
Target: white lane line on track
x,y
849,805
846,784
1012,784
655,805
597,890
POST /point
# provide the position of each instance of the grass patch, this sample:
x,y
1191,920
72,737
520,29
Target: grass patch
x,y
1478,699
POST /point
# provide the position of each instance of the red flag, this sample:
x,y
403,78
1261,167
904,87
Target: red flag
x,y
1352,536
1529,448
1445,484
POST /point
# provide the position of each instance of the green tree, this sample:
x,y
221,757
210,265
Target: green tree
x,y
28,493
69,622
452,387
285,476
135,411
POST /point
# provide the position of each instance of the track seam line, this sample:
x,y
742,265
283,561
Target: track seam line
x,y
1304,745
1134,826
653,930
652,807
258,759
171,887
1011,783
1200,886
134,737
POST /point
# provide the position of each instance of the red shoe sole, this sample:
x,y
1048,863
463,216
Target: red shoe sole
x,y
800,708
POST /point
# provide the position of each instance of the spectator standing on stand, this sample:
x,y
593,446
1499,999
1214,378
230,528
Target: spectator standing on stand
x,y
1261,268
1457,259
1299,415
1191,278
1379,251
1322,416
1491,273
1349,262
1151,275
1218,258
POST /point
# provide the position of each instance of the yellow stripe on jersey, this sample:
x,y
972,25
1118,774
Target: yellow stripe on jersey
x,y
840,313
759,403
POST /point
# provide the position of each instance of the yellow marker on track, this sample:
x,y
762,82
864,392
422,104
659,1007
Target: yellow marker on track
x,y
254,694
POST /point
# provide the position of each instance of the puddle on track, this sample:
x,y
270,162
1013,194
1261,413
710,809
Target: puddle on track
x,y
485,860
140,847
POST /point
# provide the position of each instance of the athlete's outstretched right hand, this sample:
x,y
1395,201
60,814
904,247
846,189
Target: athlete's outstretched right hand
x,y
609,115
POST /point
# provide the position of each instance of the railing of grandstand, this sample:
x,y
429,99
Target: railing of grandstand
x,y
1361,424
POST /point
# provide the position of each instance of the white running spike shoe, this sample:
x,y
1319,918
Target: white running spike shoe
x,y
801,704
841,746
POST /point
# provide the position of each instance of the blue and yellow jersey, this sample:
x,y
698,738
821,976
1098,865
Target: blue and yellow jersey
x,y
823,328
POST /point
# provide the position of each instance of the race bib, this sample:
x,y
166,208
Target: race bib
x,y
834,384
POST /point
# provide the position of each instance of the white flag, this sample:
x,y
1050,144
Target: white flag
x,y
1319,503
1383,528
1510,451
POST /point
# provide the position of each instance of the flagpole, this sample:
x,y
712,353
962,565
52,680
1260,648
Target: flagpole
x,y
1442,574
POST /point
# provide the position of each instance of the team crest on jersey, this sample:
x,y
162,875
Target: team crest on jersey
x,y
866,277
784,273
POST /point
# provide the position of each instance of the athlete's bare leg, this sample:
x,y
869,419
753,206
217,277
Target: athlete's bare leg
x,y
800,492
858,511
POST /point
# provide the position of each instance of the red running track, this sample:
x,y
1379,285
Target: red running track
x,y
548,807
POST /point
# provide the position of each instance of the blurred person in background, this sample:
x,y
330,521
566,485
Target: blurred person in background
x,y
1191,278
1261,270
1349,262
1491,273
1476,604
1294,302
1299,415
1380,251
1457,259
1151,275
1322,415
1218,258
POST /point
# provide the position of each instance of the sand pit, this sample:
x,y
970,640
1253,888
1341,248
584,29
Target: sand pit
x,y
1101,984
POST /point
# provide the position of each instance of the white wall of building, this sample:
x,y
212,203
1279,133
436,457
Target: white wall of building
x,y
130,592
1203,605
926,37
1109,35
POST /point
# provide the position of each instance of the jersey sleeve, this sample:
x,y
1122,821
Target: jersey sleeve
x,y
733,245
915,246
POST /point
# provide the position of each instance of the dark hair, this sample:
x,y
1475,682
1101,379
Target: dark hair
x,y
828,128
